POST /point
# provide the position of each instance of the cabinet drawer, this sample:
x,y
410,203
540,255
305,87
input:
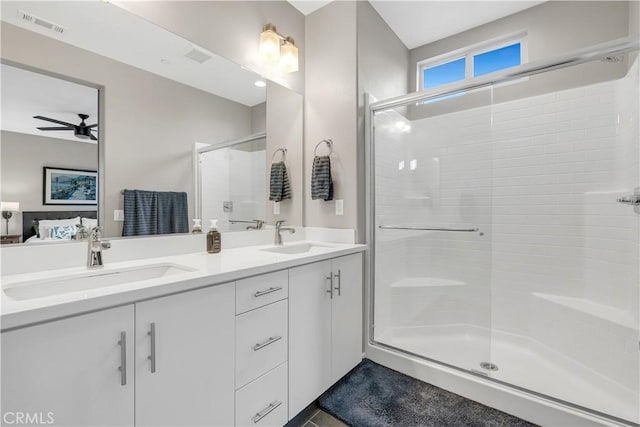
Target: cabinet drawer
x,y
261,341
261,290
263,402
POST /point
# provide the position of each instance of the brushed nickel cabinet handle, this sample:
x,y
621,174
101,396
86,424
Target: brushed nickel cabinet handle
x,y
267,291
123,358
266,411
267,342
152,356
330,279
339,277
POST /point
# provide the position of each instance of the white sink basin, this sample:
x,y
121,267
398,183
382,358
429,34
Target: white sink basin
x,y
298,248
93,279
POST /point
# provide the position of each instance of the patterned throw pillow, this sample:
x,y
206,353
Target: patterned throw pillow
x,y
63,232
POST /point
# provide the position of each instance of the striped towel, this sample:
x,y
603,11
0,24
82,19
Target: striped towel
x,y
154,212
321,181
279,188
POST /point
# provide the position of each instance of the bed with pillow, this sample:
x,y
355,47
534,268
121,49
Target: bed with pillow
x,y
55,226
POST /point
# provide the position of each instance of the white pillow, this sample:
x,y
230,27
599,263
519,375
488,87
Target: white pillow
x,y
89,223
45,225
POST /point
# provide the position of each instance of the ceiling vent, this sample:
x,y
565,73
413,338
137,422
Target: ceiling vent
x,y
28,18
199,55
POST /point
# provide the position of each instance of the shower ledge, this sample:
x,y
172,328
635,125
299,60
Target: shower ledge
x,y
602,311
425,282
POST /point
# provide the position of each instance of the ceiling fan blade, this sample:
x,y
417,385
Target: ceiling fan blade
x,y
56,128
54,121
93,138
93,125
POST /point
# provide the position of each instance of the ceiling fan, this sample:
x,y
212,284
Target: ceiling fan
x,y
82,130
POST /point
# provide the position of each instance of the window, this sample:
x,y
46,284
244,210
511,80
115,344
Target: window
x,y
442,74
472,61
496,59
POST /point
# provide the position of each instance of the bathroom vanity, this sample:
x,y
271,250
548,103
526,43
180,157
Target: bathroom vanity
x,y
246,337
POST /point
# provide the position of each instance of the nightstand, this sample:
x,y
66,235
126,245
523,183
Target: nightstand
x,y
9,239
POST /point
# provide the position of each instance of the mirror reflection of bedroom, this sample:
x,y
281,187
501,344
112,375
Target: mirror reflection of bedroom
x,y
49,157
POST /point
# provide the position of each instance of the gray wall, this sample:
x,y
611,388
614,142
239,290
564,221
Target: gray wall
x,y
230,29
383,66
634,25
150,123
22,158
331,110
259,118
285,130
553,28
360,54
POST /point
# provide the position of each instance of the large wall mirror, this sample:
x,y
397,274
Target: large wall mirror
x,y
101,108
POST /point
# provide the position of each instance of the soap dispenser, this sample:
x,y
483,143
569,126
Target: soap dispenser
x,y
214,239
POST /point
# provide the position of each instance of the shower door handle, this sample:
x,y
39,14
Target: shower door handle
x,y
632,199
413,228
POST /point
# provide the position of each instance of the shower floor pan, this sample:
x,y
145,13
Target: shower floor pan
x,y
519,361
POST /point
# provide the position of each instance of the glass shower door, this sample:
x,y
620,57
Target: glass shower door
x,y
432,210
565,285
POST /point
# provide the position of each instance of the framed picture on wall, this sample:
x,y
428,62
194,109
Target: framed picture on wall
x,y
69,186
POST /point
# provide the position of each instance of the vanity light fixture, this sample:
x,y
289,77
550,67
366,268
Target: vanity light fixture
x,y
275,47
8,208
289,56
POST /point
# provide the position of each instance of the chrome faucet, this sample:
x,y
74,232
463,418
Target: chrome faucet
x,y
96,245
279,228
258,226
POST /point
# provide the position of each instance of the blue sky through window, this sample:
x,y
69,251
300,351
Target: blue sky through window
x,y
448,72
498,59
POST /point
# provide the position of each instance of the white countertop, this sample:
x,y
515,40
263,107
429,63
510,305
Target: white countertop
x,y
208,269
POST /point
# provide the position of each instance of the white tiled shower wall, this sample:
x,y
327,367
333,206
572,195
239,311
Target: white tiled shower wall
x,y
237,176
539,176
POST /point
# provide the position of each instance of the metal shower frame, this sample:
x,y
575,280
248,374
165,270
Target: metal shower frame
x,y
596,52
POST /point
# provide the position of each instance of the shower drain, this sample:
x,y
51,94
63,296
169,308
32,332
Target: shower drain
x,y
489,366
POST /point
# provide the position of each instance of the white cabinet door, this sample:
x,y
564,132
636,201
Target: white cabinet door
x,y
309,334
346,315
68,372
193,382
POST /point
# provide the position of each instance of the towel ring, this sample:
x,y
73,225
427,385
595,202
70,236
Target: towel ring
x,y
284,154
329,144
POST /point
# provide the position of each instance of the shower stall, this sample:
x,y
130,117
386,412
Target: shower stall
x,y
504,225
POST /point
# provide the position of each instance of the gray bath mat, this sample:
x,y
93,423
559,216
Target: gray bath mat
x,y
374,396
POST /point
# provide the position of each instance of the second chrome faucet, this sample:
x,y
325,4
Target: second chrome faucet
x,y
96,245
279,228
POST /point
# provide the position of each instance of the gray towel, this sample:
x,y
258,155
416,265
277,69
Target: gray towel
x,y
321,181
154,212
279,188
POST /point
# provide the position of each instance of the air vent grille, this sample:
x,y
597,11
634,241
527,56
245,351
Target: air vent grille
x,y
25,17
198,55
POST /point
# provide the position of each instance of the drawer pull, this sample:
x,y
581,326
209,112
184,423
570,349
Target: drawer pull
x,y
266,411
268,291
269,341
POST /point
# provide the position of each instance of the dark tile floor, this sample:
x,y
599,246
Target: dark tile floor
x,y
319,418
322,419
